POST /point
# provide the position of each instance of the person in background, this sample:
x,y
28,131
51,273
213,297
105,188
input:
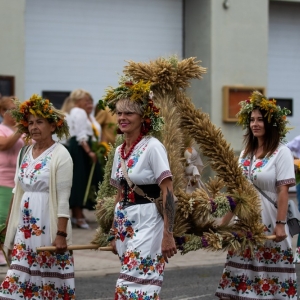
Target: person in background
x,y
294,146
66,108
268,164
39,213
108,123
84,130
10,144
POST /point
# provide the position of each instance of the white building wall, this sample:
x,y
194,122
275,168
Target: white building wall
x,y
12,61
84,44
284,57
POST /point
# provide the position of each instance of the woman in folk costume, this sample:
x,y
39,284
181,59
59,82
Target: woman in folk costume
x,y
140,236
40,210
84,130
268,164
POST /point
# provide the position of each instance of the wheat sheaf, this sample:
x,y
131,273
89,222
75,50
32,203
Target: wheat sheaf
x,y
229,191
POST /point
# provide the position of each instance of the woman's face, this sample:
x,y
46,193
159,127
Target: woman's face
x,y
7,118
257,125
129,122
83,102
89,106
39,128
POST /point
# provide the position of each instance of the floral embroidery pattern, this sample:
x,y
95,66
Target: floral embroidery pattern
x,y
122,293
134,158
123,225
29,290
261,285
42,259
267,255
256,165
32,174
30,226
131,260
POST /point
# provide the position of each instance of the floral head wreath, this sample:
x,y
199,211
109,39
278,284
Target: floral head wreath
x,y
38,106
273,112
139,92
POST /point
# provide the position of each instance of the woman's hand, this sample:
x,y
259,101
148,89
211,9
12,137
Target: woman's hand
x,y
168,246
93,156
60,243
280,233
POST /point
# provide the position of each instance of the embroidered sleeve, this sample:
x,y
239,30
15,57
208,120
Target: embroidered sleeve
x,y
290,182
163,175
284,167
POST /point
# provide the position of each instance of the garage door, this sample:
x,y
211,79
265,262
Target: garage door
x,y
84,43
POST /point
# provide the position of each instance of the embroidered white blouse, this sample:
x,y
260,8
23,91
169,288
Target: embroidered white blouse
x,y
148,163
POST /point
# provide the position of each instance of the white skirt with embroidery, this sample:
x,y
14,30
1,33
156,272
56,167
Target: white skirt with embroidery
x,y
138,242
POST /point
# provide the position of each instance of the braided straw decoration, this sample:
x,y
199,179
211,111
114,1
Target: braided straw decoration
x,y
194,211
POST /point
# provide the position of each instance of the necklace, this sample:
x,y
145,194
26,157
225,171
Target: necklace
x,y
131,148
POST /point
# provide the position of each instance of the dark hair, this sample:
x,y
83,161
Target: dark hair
x,y
271,137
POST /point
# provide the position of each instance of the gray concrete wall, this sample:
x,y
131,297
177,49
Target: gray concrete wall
x,y
12,54
233,44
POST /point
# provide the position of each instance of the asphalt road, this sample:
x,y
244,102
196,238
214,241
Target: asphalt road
x,y
179,284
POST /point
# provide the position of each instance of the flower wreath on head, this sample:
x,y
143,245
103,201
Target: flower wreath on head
x,y
274,113
139,92
38,106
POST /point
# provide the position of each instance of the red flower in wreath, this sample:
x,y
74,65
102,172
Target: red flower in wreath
x,y
38,166
259,164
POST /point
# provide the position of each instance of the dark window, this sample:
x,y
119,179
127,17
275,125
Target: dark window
x,y
56,97
284,102
7,85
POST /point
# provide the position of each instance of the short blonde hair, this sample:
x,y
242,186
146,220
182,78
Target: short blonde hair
x,y
78,94
126,105
67,105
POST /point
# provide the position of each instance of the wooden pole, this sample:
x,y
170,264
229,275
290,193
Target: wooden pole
x,y
89,184
270,237
76,247
108,248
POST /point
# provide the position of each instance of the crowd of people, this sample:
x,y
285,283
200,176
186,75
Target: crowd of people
x,y
45,180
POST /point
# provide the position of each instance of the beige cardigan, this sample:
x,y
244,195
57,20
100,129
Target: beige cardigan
x,y
60,183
